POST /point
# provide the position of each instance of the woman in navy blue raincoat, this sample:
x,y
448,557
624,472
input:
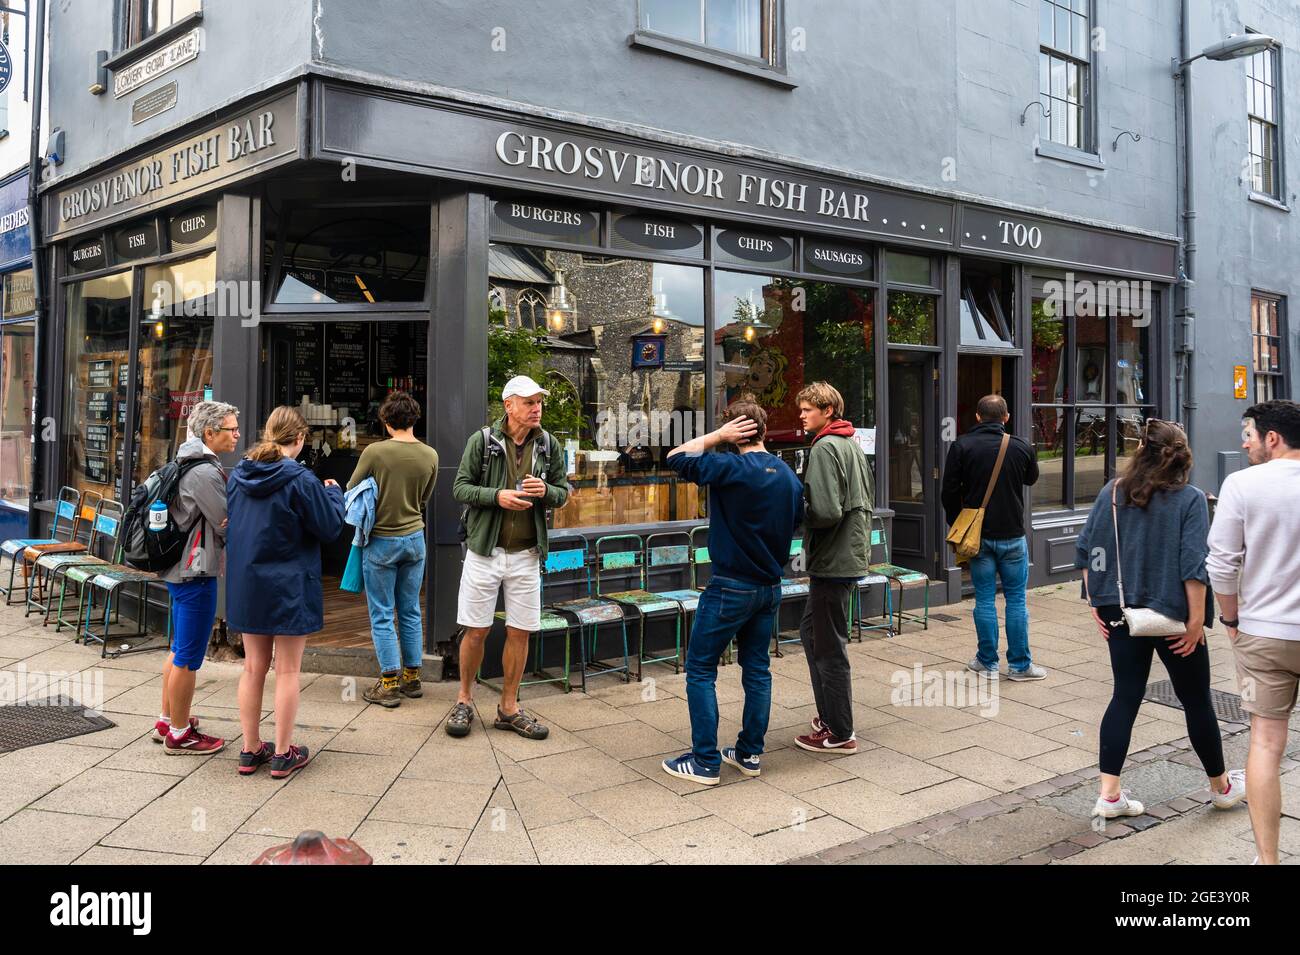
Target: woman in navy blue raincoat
x,y
280,514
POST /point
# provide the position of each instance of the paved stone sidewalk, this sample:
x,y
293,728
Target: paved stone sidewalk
x,y
956,778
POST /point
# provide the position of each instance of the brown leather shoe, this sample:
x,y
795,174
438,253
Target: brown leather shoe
x,y
385,696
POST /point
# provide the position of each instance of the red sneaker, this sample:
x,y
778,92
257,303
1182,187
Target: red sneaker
x,y
826,742
819,725
193,742
160,729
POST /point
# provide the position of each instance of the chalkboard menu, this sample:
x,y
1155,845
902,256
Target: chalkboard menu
x,y
420,350
97,436
347,347
97,405
100,374
307,362
401,351
97,468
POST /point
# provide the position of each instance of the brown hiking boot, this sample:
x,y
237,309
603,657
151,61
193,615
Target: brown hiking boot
x,y
389,696
410,683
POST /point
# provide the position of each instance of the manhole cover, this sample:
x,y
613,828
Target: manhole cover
x,y
944,617
30,725
1227,706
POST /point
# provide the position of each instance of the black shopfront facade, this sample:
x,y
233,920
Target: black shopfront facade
x,y
327,243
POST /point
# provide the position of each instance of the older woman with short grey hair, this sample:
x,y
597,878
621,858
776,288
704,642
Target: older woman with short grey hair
x,y
199,506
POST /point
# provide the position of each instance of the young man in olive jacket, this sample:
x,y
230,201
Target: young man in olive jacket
x,y
839,494
506,503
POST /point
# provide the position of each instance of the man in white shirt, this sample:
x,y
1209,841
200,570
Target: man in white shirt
x,y
1254,567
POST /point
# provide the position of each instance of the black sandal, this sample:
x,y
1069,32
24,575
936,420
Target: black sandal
x,y
458,723
521,723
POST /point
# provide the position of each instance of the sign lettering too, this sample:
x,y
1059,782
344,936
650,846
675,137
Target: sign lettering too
x,y
1020,234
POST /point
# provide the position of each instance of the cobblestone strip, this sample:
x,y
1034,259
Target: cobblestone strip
x,y
1007,802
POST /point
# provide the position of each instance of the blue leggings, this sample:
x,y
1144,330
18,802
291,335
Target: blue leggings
x,y
194,608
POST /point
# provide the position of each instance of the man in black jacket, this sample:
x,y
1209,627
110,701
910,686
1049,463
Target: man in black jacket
x,y
1004,550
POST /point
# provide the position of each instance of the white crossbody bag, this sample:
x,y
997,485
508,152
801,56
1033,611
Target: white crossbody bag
x,y
1141,621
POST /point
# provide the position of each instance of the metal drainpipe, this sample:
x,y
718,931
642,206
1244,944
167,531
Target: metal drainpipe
x,y
1186,311
38,282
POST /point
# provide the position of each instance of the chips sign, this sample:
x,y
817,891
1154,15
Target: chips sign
x,y
6,67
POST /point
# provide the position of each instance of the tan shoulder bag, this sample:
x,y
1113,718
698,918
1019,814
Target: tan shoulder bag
x,y
965,534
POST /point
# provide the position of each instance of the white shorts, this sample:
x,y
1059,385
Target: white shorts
x,y
481,578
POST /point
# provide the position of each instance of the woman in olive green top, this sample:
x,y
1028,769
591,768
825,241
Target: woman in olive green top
x,y
404,468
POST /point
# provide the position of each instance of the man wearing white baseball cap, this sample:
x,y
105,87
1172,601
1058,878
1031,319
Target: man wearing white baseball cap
x,y
509,474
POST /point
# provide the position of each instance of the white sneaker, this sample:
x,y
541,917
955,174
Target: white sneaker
x,y
1031,672
1125,805
976,667
1235,792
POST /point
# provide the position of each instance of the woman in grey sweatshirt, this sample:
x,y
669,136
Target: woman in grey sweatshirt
x,y
1163,527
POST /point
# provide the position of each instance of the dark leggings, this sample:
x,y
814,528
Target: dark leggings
x,y
1130,662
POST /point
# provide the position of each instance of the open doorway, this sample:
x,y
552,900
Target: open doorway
x,y
337,374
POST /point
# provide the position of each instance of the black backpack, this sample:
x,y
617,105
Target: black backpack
x,y
161,549
541,462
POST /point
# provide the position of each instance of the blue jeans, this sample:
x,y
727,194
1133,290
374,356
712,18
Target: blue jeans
x,y
730,608
394,570
1008,559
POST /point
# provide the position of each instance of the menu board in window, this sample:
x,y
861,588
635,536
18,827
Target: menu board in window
x,y
401,355
97,437
97,468
420,350
100,374
307,362
97,405
347,350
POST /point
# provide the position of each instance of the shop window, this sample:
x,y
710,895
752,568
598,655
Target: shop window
x,y
1063,72
912,318
1264,120
742,27
1089,455
1047,383
772,336
985,307
144,18
1267,336
1048,494
96,366
619,346
19,298
1130,426
354,256
906,269
17,389
1085,430
175,363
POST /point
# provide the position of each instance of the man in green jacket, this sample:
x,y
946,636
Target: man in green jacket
x,y
839,494
507,479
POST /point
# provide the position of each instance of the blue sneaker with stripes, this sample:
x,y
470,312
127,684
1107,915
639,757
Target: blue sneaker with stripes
x,y
749,765
685,767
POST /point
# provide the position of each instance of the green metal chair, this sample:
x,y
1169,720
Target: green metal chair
x,y
49,568
551,622
865,583
588,610
66,509
907,579
614,559
790,587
